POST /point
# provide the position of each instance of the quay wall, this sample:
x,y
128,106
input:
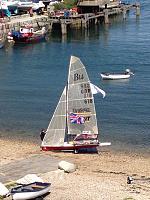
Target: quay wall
x,y
78,21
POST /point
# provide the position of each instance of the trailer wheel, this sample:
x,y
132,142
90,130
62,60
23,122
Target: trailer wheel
x,y
76,151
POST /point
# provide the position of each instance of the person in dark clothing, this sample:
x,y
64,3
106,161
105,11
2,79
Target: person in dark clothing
x,y
42,134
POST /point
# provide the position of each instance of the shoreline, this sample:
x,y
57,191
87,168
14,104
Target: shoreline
x,y
113,148
12,149
98,176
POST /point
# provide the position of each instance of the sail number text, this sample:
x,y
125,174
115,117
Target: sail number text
x,y
86,91
78,77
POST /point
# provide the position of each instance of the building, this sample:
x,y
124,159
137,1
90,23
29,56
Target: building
x,y
92,6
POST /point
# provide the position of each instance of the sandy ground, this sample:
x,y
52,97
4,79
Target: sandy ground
x,y
98,176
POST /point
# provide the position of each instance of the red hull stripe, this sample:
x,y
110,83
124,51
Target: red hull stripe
x,y
62,148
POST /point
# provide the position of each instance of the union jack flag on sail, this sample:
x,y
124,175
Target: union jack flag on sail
x,y
76,119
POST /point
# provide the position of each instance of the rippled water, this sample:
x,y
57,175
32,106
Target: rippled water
x,y
32,78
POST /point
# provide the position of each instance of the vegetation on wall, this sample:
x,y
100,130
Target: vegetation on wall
x,y
70,3
66,4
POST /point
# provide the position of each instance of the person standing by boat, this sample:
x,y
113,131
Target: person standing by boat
x,y
42,134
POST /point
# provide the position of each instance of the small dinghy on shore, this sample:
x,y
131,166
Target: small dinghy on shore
x,y
28,191
115,76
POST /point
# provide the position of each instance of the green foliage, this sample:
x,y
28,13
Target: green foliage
x,y
70,3
67,4
11,184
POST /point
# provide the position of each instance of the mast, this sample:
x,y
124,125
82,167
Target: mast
x,y
66,128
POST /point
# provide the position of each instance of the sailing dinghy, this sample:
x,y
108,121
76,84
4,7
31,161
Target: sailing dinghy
x,y
74,124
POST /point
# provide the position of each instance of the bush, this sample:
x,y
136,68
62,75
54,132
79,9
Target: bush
x,y
66,4
70,3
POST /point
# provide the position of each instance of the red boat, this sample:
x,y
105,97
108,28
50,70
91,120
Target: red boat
x,y
81,141
26,34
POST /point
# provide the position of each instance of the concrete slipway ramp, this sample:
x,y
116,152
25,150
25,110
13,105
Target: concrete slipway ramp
x,y
35,164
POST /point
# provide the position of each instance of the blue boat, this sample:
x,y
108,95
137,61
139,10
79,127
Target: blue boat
x,y
27,35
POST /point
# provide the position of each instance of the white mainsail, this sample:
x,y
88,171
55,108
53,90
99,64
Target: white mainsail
x,y
80,99
55,133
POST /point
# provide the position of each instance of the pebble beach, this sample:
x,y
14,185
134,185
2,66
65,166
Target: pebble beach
x,y
98,176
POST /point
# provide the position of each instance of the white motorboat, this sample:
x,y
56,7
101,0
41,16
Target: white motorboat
x,y
116,76
37,5
25,5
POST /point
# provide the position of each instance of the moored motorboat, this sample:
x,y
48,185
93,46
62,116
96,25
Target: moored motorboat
x,y
26,34
38,6
117,76
25,5
13,6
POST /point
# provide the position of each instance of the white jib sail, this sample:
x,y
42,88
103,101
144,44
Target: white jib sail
x,y
80,99
55,133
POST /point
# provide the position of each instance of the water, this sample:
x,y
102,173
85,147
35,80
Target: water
x,y
32,78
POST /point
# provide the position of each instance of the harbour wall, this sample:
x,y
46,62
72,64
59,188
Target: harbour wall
x,y
73,21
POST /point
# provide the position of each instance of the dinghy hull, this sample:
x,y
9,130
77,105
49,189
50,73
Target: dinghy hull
x,y
115,76
69,147
29,40
30,191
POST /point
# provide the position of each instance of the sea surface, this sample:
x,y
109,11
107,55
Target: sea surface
x,y
32,78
